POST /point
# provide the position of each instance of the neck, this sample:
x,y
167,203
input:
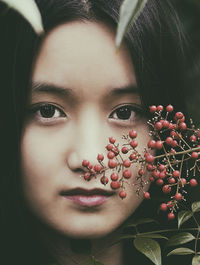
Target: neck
x,y
80,251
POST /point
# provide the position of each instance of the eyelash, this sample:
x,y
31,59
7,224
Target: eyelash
x,y
133,111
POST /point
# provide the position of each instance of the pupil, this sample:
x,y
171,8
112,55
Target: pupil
x,y
124,113
47,111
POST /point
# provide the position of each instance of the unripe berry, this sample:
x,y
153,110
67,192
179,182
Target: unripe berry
x,y
159,145
169,108
112,163
98,168
122,194
115,185
133,134
85,163
127,163
152,109
132,157
104,180
194,155
163,207
178,196
147,195
151,144
124,150
134,143
114,176
166,189
110,155
176,173
100,157
112,140
171,216
159,182
193,138
127,174
193,183
109,147
159,108
158,126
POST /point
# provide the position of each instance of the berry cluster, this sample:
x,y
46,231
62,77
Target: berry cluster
x,y
175,165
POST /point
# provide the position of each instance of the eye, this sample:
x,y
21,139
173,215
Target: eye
x,y
46,113
126,113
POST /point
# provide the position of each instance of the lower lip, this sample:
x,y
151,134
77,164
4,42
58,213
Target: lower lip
x,y
93,200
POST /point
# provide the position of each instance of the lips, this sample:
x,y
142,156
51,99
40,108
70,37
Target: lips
x,y
89,198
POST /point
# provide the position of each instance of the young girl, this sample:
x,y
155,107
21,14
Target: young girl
x,y
63,95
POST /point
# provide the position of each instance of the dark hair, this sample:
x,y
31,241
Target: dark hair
x,y
156,44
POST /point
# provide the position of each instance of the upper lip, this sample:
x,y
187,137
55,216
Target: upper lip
x,y
86,192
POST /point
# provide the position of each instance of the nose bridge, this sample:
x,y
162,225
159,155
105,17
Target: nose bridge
x,y
90,135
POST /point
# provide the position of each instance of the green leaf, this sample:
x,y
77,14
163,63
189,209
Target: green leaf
x,y
196,207
181,251
129,12
98,263
183,216
180,238
150,248
29,10
153,236
142,221
196,260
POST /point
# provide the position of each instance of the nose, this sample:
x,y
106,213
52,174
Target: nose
x,y
89,139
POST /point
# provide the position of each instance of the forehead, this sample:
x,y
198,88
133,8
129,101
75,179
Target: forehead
x,y
81,55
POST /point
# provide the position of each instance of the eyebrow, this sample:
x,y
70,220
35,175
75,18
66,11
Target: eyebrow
x,y
59,90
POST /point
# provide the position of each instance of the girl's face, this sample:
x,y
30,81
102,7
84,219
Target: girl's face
x,y
83,92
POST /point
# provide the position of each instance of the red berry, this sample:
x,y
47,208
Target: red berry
x,y
156,173
171,180
127,174
97,168
194,155
174,143
122,194
152,109
165,124
110,155
170,204
112,140
163,174
178,196
172,151
85,163
147,195
193,138
182,181
151,144
124,150
104,180
115,185
132,157
159,182
169,108
126,163
109,147
179,115
183,126
140,172
151,179
149,167
134,143
163,207
171,216
159,108
169,140
90,166
158,125
149,158
166,189
174,134
133,134
159,145
112,163
176,173
87,176
114,176
161,167
171,126
193,183
100,157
